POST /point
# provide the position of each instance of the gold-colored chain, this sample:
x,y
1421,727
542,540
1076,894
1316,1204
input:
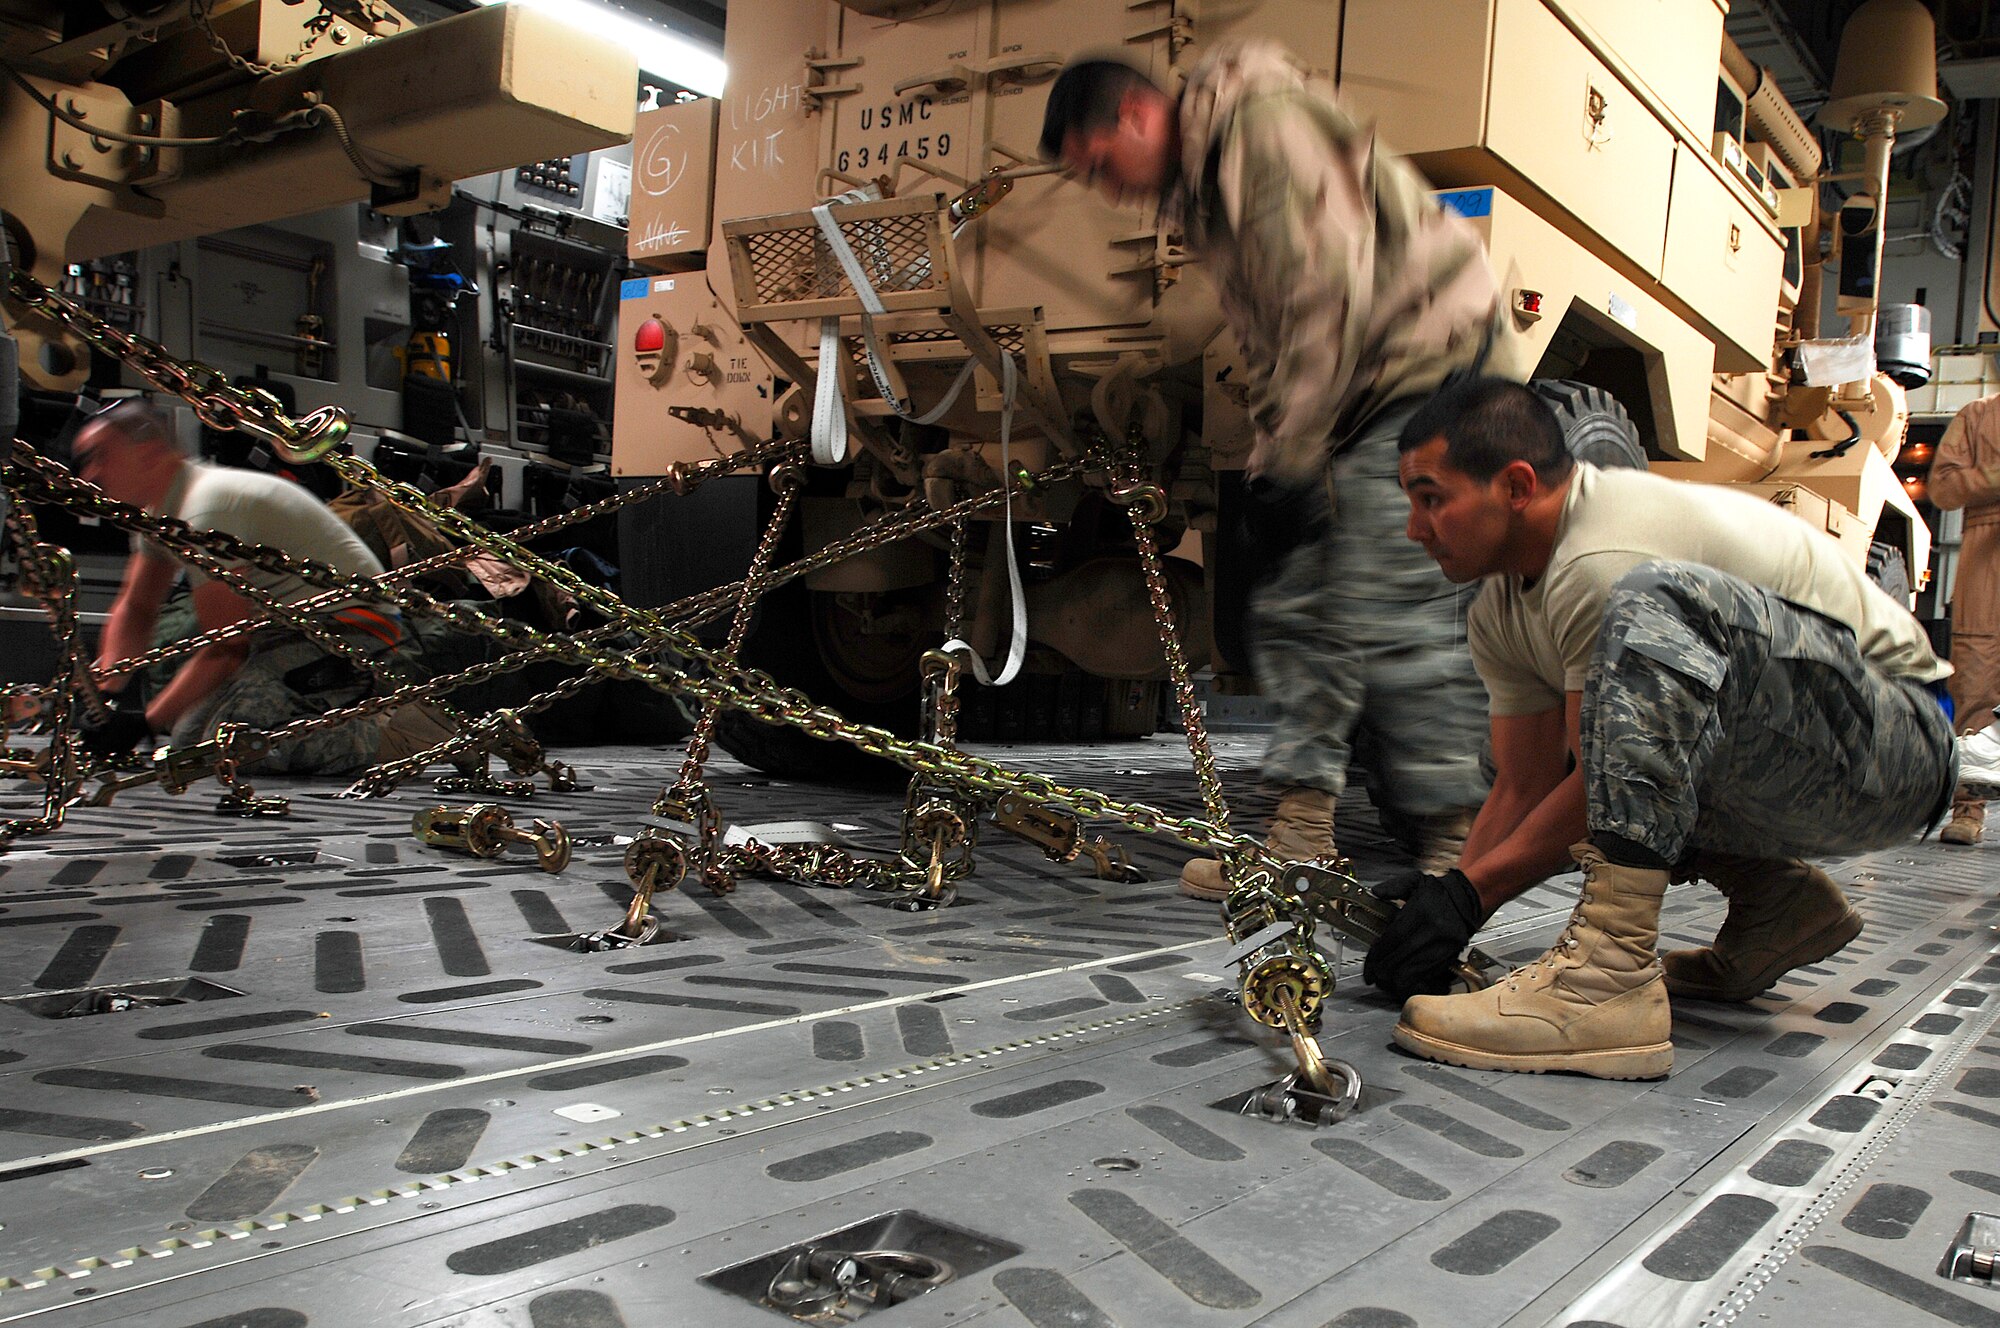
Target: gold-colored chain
x,y
1146,504
690,800
724,682
54,573
681,480
27,537
942,669
30,476
217,402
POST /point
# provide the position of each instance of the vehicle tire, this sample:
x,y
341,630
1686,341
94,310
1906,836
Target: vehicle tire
x,y
1597,428
787,645
1888,569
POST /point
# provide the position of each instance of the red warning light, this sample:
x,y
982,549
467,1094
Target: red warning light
x,y
651,336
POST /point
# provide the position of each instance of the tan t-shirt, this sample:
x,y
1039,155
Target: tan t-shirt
x,y
1532,643
267,509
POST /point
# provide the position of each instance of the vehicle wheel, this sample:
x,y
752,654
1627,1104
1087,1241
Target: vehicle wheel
x,y
798,642
1888,569
1597,428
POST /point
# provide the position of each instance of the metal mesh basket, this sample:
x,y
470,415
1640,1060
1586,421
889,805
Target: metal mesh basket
x,y
795,263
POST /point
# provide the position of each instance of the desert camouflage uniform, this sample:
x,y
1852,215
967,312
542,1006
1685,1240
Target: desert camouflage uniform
x,y
1353,296
1721,717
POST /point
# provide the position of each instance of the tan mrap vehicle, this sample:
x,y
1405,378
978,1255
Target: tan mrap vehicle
x,y
1647,197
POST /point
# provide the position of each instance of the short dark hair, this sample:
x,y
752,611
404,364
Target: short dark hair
x,y
1487,423
1086,97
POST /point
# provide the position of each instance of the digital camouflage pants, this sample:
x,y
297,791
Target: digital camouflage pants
x,y
1719,716
1359,638
286,677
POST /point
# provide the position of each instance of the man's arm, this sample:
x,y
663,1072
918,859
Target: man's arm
x,y
215,605
1957,478
129,628
1303,226
1541,810
1528,762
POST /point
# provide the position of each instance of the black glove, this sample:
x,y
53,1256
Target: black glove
x,y
1415,953
117,735
1279,518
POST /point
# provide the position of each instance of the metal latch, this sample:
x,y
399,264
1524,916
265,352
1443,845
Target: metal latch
x,y
1060,837
485,829
1291,1099
832,1286
1971,1256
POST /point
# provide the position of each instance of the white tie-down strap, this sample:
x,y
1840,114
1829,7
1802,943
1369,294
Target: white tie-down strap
x,y
783,833
829,432
1017,645
829,426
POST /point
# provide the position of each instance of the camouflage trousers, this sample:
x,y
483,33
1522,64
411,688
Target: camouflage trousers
x,y
1719,716
286,677
1360,642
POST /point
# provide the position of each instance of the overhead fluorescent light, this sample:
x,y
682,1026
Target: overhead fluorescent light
x,y
658,49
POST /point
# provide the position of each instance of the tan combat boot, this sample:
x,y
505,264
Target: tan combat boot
x,y
1593,1004
1782,914
1968,821
1302,829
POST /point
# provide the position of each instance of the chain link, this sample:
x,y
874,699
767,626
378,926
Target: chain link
x,y
1147,504
54,572
217,402
748,690
316,26
690,797
25,532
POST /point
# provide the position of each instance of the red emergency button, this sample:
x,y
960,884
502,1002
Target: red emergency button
x,y
651,337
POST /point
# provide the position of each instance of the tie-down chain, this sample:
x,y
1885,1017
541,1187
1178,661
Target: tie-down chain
x,y
1284,979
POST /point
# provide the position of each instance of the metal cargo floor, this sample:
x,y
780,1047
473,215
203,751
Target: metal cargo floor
x,y
421,1111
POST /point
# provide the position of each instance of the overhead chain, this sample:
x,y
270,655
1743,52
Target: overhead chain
x,y
202,12
681,480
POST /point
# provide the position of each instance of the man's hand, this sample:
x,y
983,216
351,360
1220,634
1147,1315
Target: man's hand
x,y
121,731
1415,953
